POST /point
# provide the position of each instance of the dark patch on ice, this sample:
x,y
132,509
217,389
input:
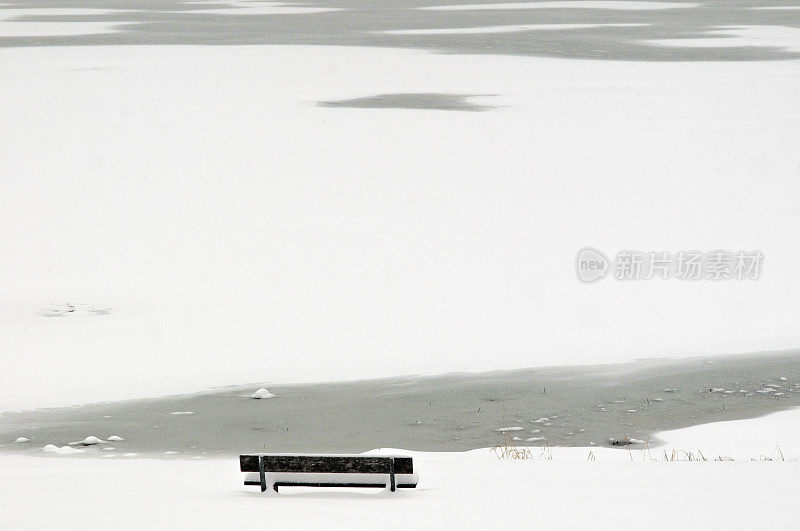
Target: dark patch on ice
x,y
421,100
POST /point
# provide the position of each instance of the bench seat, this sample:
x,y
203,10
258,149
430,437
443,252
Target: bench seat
x,y
284,470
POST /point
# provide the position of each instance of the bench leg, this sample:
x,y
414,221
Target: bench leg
x,y
261,474
391,475
275,487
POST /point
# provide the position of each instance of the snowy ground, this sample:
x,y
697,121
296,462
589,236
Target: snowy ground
x,y
211,224
472,490
178,217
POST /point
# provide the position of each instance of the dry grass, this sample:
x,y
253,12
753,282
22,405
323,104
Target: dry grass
x,y
508,449
546,453
684,455
777,455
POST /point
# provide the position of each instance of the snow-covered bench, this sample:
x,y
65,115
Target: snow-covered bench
x,y
285,470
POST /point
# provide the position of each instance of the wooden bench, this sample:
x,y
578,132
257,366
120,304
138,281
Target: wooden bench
x,y
286,470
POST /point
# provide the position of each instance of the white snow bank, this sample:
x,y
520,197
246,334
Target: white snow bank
x,y
21,440
89,441
510,428
478,491
115,438
576,4
182,413
775,436
64,450
262,393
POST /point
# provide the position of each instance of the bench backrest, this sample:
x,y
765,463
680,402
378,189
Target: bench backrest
x,y
356,464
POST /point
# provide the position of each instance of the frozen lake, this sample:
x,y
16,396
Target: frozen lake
x,y
559,406
389,197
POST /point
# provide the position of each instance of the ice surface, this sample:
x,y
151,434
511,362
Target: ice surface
x,y
577,4
784,37
13,22
503,29
250,7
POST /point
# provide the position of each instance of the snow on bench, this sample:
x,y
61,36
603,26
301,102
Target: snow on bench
x,y
304,470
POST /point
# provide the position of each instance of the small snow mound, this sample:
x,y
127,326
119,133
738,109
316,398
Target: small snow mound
x,y
534,439
262,393
783,378
716,390
61,310
182,413
636,441
90,440
62,450
22,440
130,455
510,428
115,438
